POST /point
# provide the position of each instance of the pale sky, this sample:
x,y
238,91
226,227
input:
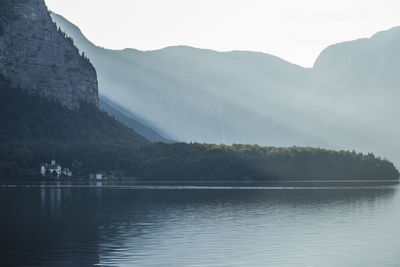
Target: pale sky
x,y
295,30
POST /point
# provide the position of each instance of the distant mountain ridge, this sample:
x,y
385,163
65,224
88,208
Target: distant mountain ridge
x,y
183,93
350,61
347,100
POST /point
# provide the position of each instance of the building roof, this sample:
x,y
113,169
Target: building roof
x,y
51,166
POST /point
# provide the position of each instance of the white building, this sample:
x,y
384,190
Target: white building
x,y
99,176
67,172
54,169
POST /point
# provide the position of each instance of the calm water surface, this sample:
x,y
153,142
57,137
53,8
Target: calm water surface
x,y
53,226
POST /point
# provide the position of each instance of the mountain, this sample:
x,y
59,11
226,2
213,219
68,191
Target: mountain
x,y
29,117
202,95
347,100
49,91
49,97
139,124
36,56
34,129
368,63
51,118
354,93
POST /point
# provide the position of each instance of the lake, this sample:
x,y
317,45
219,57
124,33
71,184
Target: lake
x,y
189,226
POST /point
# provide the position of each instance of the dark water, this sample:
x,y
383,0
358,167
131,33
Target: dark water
x,y
139,227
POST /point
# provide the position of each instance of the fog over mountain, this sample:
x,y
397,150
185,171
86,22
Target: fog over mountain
x,y
348,100
355,90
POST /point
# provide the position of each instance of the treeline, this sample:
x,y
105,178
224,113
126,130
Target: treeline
x,y
193,162
34,130
255,163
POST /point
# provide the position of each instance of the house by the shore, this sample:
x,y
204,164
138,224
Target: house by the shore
x,y
54,169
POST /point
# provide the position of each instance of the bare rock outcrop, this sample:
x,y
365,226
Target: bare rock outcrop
x,y
37,56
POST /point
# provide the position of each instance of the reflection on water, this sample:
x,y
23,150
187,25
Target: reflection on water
x,y
53,226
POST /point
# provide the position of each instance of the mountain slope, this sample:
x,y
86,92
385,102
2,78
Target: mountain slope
x,y
34,129
127,119
30,117
369,63
140,125
202,95
34,55
354,88
347,100
48,89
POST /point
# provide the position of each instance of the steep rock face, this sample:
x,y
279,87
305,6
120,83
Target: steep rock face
x,y
36,56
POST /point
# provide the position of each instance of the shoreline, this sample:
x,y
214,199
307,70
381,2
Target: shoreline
x,y
202,184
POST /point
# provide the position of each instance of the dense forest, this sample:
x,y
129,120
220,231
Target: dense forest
x,y
193,162
34,130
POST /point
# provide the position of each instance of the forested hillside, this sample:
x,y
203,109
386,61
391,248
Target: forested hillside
x,y
348,100
34,129
28,117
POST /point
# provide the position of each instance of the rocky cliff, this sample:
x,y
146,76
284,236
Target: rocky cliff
x,y
36,56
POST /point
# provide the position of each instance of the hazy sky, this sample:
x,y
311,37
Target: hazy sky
x,y
292,29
